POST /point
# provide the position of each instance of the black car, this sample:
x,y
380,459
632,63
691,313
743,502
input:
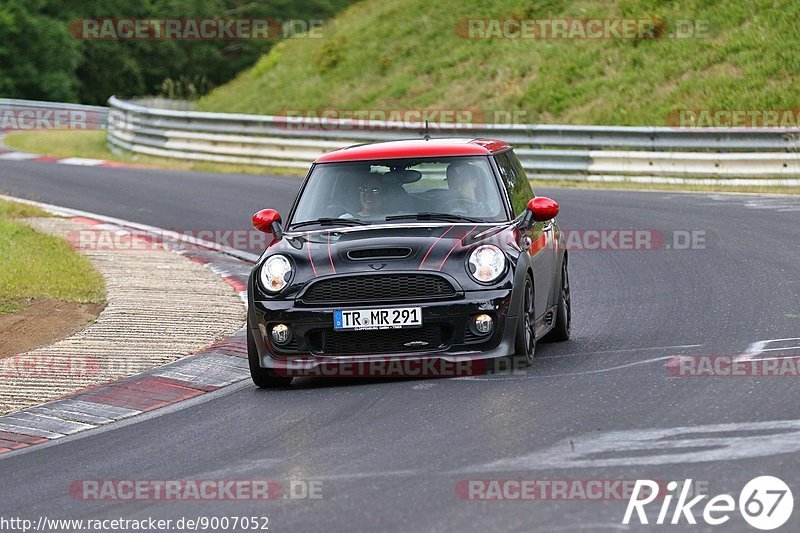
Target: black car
x,y
423,257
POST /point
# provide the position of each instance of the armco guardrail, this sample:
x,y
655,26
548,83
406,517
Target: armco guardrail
x,y
31,115
597,153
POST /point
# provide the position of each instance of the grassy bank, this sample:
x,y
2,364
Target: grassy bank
x,y
34,266
410,54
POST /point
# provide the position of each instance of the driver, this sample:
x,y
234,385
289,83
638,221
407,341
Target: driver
x,y
462,182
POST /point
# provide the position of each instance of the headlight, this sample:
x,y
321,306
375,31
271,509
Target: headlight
x,y
486,263
275,273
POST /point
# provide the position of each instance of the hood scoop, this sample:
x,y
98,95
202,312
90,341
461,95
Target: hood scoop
x,y
363,254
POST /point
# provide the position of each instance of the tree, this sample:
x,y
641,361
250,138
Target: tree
x,y
38,57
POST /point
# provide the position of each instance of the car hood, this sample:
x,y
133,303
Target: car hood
x,y
389,248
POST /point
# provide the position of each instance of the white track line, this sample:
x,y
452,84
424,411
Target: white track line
x,y
18,156
578,354
501,377
81,161
759,347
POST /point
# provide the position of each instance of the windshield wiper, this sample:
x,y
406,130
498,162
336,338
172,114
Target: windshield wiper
x,y
433,216
327,221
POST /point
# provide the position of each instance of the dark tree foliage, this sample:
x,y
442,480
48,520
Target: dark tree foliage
x,y
38,57
41,59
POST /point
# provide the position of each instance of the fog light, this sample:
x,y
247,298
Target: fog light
x,y
281,334
484,323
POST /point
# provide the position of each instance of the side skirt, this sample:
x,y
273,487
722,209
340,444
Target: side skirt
x,y
546,322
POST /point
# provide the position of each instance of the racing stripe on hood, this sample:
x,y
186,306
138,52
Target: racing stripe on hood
x,y
330,256
324,247
459,242
439,238
310,258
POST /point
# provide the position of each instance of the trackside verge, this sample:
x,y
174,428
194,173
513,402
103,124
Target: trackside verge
x,y
222,363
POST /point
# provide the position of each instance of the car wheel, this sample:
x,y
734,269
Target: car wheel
x,y
562,328
526,334
262,377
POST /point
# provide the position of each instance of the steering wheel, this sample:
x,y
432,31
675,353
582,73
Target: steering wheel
x,y
336,210
461,205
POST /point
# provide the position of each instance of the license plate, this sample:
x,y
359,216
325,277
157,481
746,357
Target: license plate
x,y
393,318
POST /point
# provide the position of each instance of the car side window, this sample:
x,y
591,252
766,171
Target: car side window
x,y
524,188
515,181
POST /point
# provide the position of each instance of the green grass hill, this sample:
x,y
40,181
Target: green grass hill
x,y
412,54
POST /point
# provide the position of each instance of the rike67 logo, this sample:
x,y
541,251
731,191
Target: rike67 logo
x,y
765,503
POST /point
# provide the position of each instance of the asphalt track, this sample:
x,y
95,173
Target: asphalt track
x,y
390,453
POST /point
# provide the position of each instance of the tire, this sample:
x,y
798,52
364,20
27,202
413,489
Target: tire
x,y
525,339
262,377
563,326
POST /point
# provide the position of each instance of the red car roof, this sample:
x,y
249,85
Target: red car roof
x,y
414,148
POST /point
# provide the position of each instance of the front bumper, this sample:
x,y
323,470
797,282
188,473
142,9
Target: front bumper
x,y
449,346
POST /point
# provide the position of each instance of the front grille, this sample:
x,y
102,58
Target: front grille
x,y
424,339
391,287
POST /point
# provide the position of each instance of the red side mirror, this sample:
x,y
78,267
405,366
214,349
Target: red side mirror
x,y
263,220
543,208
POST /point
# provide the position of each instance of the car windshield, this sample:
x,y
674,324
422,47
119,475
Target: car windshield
x,y
442,188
